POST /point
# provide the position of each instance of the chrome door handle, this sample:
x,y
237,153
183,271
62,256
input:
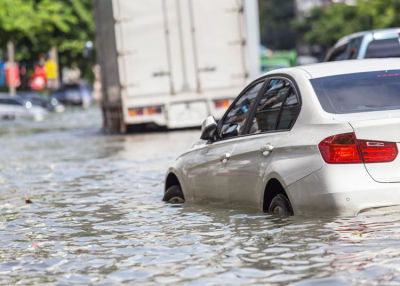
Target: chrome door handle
x,y
225,157
267,149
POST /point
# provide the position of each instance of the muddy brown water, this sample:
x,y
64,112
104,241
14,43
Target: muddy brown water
x,y
97,218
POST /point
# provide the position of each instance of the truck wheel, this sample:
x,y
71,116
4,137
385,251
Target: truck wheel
x,y
174,195
280,205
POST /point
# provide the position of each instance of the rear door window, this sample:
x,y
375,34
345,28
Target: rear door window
x,y
389,48
277,109
359,92
289,111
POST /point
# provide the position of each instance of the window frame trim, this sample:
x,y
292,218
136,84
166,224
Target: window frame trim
x,y
265,81
294,86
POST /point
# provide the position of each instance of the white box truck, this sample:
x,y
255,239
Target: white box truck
x,y
172,63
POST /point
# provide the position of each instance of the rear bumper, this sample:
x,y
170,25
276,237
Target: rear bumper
x,y
341,190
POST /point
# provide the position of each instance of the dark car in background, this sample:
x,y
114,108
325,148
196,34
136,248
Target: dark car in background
x,y
49,103
368,44
74,94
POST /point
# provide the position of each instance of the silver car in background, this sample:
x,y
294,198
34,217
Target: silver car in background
x,y
366,45
12,107
321,139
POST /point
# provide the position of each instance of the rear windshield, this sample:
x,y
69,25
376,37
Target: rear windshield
x,y
359,92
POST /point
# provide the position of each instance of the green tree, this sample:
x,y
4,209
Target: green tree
x,y
275,24
325,26
37,25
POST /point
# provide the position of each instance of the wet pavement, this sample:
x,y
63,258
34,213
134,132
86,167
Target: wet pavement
x,y
97,218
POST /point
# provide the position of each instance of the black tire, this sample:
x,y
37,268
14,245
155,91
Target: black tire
x,y
280,205
174,195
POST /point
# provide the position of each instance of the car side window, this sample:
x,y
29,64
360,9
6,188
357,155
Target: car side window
x,y
277,108
339,54
9,101
13,102
354,48
387,48
289,111
235,121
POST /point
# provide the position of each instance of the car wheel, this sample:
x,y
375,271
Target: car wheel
x,y
174,195
280,205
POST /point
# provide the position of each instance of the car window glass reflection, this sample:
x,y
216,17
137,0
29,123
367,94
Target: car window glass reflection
x,y
235,120
267,112
289,111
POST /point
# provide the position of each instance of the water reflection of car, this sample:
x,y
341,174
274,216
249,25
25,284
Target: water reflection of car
x,y
365,45
15,106
317,139
74,94
49,103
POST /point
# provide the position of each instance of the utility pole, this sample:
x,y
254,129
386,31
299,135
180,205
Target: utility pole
x,y
11,67
252,17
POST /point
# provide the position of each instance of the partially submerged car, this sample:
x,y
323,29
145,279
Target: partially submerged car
x,y
49,103
15,106
74,94
320,139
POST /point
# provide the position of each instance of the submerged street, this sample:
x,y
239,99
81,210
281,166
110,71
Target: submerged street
x,y
97,218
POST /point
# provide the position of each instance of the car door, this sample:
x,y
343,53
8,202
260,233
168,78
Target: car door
x,y
274,114
209,172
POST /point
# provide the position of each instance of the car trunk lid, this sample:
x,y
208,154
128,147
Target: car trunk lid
x,y
382,130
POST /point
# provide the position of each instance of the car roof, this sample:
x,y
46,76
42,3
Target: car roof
x,y
350,66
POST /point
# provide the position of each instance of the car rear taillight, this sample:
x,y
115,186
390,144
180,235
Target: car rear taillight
x,y
340,149
375,151
346,149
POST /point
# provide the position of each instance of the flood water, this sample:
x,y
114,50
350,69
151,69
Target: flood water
x,y
97,218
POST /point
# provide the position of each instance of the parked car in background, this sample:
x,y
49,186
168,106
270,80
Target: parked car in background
x,y
367,44
49,103
74,94
15,106
317,139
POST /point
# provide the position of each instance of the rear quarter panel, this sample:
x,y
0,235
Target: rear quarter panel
x,y
297,155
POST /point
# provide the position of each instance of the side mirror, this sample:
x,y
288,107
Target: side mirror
x,y
208,128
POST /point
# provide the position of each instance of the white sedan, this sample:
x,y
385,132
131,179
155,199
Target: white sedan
x,y
317,139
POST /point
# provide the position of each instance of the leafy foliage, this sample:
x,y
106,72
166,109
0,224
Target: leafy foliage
x,y
275,27
37,25
325,26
